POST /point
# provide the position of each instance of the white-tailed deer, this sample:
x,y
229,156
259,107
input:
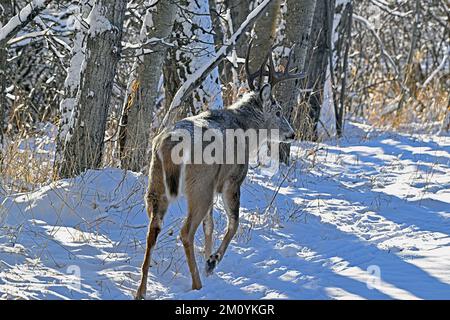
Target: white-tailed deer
x,y
200,182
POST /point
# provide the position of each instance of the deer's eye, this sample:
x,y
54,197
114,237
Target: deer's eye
x,y
278,113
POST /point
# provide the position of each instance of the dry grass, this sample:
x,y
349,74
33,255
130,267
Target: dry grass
x,y
27,162
424,106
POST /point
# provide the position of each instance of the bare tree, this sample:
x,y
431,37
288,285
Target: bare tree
x,y
196,80
21,19
5,12
194,47
340,48
83,136
263,35
408,73
299,18
445,125
73,80
227,17
318,60
142,94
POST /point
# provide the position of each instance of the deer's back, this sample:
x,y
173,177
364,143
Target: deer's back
x,y
190,174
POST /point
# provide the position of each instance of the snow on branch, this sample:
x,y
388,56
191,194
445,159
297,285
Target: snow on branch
x,y
20,20
197,78
31,35
149,42
385,7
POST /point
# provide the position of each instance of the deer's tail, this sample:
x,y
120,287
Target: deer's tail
x,y
172,172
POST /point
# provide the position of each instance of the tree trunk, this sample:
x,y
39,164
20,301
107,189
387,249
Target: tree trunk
x,y
5,13
406,92
217,25
299,18
84,139
341,43
138,109
237,11
445,125
318,53
192,33
72,82
264,35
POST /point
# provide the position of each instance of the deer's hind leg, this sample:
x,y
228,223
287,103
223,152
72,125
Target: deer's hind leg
x,y
200,202
156,205
156,209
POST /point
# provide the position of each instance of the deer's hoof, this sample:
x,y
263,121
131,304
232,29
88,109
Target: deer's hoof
x,y
196,286
211,264
137,296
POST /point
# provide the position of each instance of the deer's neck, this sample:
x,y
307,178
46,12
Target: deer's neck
x,y
248,113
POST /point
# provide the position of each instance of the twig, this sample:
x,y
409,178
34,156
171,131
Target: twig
x,y
20,20
436,71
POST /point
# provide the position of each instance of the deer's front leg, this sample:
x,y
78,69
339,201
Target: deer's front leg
x,y
231,200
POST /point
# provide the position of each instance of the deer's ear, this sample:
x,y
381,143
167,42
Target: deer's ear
x,y
265,94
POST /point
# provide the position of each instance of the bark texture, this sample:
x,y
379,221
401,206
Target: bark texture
x,y
5,12
263,35
299,19
339,59
318,54
83,143
138,110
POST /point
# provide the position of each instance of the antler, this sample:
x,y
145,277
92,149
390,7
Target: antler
x,y
277,77
274,76
259,73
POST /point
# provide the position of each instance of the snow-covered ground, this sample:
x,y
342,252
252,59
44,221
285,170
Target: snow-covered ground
x,y
368,218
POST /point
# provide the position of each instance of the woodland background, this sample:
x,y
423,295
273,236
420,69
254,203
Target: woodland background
x,y
359,209
104,73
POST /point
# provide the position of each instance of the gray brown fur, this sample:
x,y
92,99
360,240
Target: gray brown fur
x,y
256,110
201,182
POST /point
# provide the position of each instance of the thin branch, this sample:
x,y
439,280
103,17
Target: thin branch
x,y
371,28
394,12
20,20
197,79
436,71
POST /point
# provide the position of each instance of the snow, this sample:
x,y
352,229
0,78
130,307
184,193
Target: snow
x,y
196,38
76,68
364,218
97,21
210,65
22,16
327,118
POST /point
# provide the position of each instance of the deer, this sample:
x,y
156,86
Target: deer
x,y
200,183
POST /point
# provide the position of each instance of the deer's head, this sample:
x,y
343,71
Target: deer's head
x,y
273,113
